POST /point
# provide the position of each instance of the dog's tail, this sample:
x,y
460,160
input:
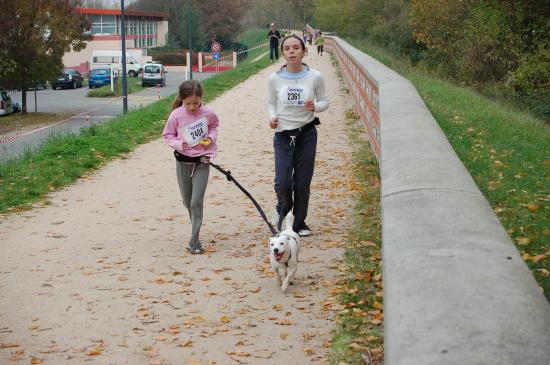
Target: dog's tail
x,y
289,220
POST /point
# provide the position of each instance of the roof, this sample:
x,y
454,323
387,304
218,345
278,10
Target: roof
x,y
126,12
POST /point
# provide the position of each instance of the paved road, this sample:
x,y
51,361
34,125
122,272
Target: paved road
x,y
97,110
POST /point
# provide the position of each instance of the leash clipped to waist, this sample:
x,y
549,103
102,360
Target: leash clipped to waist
x,y
230,177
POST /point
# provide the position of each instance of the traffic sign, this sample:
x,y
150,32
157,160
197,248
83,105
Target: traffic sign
x,y
216,47
215,56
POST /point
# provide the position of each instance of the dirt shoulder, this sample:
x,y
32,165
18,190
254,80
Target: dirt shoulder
x,y
100,274
14,124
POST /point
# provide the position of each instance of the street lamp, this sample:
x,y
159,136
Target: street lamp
x,y
190,65
123,34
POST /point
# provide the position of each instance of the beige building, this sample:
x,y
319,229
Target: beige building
x,y
143,30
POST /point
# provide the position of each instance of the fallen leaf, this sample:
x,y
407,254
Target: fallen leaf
x,y
523,241
225,319
187,343
36,360
358,348
283,335
5,345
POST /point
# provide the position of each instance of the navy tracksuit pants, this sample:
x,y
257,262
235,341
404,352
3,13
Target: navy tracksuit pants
x,y
294,164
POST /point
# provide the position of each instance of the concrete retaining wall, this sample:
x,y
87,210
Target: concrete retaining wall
x,y
456,290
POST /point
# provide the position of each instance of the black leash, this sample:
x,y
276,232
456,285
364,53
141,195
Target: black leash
x,y
231,178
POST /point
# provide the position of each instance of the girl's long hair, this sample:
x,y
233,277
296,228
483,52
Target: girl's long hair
x,y
186,89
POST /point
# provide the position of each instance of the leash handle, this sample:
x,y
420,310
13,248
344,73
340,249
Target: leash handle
x,y
231,178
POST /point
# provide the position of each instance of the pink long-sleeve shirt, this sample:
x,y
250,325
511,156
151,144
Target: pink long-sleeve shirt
x,y
179,118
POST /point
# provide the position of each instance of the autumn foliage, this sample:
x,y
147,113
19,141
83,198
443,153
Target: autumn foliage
x,y
500,47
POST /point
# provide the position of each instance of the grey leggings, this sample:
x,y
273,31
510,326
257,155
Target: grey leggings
x,y
192,180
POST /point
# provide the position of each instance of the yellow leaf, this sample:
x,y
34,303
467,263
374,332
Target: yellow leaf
x,y
523,241
194,362
5,345
36,360
283,335
378,305
225,319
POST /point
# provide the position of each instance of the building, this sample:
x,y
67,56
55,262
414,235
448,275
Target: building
x,y
143,30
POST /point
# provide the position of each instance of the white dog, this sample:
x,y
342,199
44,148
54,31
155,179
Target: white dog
x,y
283,253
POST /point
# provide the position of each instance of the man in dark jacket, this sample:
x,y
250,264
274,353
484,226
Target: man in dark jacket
x,y
273,37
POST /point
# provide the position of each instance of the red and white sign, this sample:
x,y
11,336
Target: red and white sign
x,y
215,47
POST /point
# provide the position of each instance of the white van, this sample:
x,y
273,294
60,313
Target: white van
x,y
108,59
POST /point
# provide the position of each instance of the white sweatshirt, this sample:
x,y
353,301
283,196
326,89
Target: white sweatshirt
x,y
287,94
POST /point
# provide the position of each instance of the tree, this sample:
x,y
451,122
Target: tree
x,y
35,36
212,19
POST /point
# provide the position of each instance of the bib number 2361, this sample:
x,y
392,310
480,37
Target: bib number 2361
x,y
293,95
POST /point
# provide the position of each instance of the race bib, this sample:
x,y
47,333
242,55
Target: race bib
x,y
195,132
293,95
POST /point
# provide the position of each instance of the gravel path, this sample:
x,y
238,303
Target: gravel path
x,y
99,274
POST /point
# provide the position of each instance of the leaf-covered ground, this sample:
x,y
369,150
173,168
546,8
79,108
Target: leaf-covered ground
x,y
99,273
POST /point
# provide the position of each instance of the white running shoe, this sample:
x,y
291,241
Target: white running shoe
x,y
304,231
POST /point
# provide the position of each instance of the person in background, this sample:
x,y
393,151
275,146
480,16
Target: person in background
x,y
273,37
320,42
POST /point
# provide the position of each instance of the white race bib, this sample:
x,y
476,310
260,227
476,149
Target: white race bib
x,y
293,95
195,132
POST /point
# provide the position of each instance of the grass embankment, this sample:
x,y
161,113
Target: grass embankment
x,y
133,84
358,338
62,160
506,151
253,38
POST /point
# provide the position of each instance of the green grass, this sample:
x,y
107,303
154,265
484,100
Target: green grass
x,y
359,330
133,84
252,38
506,151
64,159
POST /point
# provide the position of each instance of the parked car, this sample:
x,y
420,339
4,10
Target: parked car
x,y
99,77
69,79
40,84
153,74
6,105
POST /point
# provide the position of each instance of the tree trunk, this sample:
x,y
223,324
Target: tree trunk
x,y
23,101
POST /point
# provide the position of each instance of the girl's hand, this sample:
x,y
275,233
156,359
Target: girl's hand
x,y
184,145
309,105
273,123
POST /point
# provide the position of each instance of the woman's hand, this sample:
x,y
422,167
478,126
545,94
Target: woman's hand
x,y
273,123
310,105
184,145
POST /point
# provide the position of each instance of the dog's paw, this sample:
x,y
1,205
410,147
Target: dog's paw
x,y
284,287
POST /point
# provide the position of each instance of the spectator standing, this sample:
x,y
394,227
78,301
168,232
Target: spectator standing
x,y
273,37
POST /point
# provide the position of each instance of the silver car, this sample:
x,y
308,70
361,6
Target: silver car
x,y
153,74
